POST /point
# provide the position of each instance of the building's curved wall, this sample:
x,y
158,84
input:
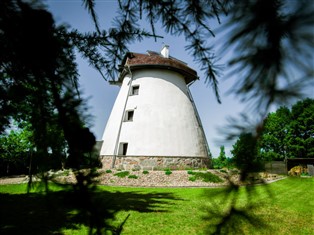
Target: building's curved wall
x,y
164,122
111,134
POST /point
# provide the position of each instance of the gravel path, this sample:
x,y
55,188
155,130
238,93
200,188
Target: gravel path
x,y
155,179
18,179
152,179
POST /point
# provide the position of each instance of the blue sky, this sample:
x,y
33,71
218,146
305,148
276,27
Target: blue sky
x,y
101,96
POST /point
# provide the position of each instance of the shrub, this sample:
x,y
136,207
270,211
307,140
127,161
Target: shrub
x,y
168,172
192,178
122,174
223,171
207,177
145,172
190,172
108,171
132,176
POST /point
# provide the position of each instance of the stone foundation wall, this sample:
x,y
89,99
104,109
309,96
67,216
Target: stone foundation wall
x,y
155,163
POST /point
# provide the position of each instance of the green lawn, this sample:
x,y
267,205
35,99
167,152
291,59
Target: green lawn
x,y
283,207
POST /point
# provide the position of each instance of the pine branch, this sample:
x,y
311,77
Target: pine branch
x,y
90,6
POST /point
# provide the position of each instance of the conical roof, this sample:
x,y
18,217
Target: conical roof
x,y
136,61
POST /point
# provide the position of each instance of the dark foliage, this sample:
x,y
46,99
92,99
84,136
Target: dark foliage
x,y
271,40
39,83
245,155
105,49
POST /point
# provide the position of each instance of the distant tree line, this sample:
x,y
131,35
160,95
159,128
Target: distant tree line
x,y
287,133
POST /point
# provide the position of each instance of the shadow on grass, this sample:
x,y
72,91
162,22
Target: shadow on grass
x,y
233,210
37,213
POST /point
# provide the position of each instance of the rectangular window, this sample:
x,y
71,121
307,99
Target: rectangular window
x,y
129,116
135,90
123,148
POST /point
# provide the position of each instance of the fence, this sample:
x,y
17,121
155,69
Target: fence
x,y
276,167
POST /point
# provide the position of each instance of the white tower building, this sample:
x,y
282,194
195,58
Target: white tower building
x,y
154,123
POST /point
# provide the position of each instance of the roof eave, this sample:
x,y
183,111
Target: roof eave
x,y
189,77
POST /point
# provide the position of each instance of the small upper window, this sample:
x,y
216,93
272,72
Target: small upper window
x,y
129,115
135,90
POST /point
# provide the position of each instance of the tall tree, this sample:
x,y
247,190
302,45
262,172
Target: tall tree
x,y
245,155
222,160
39,81
289,133
16,147
301,132
273,143
222,155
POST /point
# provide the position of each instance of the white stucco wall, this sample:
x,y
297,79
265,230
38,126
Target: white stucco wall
x,y
111,133
164,122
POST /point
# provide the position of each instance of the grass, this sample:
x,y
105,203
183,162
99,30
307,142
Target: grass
x,y
283,207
